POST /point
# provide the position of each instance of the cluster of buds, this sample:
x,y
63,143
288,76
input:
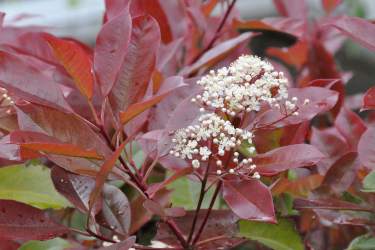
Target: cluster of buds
x,y
240,88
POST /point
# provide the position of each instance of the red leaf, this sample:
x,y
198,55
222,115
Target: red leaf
x,y
29,83
19,221
170,84
217,53
300,187
76,188
291,8
41,142
250,200
369,99
321,100
138,64
116,209
351,126
76,62
287,157
358,29
366,148
110,49
103,173
330,5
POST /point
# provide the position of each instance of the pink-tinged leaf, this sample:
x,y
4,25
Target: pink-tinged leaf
x,y
250,200
116,209
139,63
351,126
369,99
331,204
358,29
332,143
220,51
169,85
110,49
321,100
154,208
28,83
123,245
46,144
178,174
287,157
19,221
76,61
330,5
366,148
103,173
340,175
291,8
175,211
76,188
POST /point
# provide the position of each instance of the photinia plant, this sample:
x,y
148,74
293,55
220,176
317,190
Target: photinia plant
x,y
182,129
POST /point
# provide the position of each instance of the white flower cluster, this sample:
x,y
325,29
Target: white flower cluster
x,y
192,142
243,86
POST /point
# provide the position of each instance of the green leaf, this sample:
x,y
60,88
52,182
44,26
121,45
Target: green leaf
x,y
364,242
186,194
281,236
54,244
31,185
369,183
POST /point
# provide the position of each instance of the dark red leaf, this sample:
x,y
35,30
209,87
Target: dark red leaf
x,y
366,148
340,175
287,157
76,188
9,245
250,200
138,64
77,63
351,126
110,49
116,209
27,82
369,99
19,221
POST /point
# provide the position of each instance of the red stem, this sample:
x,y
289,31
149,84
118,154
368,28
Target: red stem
x,y
200,230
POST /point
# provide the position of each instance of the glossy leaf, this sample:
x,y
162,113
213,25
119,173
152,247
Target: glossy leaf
x,y
76,62
41,142
280,236
366,148
138,64
250,200
331,204
75,188
287,157
369,99
31,185
29,83
110,49
133,110
19,221
116,209
364,242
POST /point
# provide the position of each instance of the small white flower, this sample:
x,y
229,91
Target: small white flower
x,y
231,171
195,163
